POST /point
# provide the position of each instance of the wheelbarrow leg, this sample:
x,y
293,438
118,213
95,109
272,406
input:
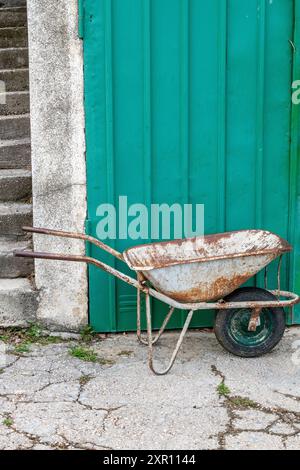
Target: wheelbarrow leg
x,y
150,341
162,329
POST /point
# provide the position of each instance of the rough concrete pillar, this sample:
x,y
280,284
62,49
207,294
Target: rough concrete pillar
x,y
58,157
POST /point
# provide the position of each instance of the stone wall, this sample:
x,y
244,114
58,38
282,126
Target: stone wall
x,y
58,157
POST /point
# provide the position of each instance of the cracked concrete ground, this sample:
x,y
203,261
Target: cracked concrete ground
x,y
210,399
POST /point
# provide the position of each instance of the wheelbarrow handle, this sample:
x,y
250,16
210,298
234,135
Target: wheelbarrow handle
x,y
79,236
81,259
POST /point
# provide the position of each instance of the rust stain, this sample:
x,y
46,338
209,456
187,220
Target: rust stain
x,y
217,290
256,311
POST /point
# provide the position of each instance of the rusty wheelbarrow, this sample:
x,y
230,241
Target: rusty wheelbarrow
x,y
198,274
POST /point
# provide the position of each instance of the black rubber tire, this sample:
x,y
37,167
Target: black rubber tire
x,y
224,321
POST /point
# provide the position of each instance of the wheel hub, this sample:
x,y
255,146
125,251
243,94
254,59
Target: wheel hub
x,y
239,327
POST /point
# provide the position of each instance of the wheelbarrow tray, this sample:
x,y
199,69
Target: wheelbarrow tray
x,y
206,268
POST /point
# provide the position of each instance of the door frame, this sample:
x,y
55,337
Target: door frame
x,y
107,166
294,209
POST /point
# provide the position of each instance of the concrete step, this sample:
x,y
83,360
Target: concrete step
x,y
16,102
13,215
14,58
12,3
13,16
18,302
14,127
15,79
15,154
15,185
10,266
13,37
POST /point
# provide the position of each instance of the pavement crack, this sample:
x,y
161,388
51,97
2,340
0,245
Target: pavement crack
x,y
31,437
4,368
109,412
229,428
288,395
234,403
218,373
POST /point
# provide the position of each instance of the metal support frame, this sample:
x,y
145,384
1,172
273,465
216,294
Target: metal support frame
x,y
254,319
256,306
138,323
150,341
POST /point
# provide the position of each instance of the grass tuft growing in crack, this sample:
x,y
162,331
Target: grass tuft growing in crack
x,y
83,354
22,348
87,334
232,401
8,422
4,338
89,355
34,332
223,390
243,402
22,338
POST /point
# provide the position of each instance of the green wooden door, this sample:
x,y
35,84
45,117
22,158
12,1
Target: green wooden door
x,y
190,101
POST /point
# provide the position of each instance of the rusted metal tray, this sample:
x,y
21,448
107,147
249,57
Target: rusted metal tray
x,y
205,268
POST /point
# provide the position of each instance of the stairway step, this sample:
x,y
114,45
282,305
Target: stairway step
x,y
14,127
13,37
14,102
13,215
15,185
15,79
12,3
15,154
14,58
13,16
18,302
11,266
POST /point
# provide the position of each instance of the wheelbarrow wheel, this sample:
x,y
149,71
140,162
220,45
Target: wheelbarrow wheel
x,y
231,325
